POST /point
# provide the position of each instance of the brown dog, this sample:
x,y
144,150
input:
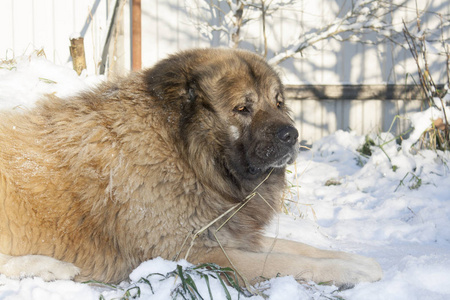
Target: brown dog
x,y
93,185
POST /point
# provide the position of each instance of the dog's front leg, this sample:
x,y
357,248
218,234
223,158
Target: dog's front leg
x,y
46,267
299,260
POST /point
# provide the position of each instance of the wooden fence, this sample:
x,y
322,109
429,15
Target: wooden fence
x,y
320,110
368,81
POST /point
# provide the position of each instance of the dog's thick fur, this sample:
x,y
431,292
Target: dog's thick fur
x,y
93,185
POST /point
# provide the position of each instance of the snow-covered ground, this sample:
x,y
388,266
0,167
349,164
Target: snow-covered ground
x,y
392,205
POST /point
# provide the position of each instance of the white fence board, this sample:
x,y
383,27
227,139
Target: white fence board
x,y
315,119
29,25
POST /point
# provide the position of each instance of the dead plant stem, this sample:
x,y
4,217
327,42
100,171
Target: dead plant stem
x,y
235,209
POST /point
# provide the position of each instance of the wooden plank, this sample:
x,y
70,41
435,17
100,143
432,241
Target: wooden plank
x,y
346,107
315,119
329,117
42,27
7,50
22,27
390,112
309,121
150,33
371,117
355,92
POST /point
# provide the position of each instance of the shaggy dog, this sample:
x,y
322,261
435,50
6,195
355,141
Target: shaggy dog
x,y
93,185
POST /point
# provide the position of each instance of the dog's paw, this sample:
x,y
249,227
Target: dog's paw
x,y
348,271
361,269
45,267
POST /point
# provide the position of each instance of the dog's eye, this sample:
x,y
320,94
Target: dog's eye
x,y
279,100
242,109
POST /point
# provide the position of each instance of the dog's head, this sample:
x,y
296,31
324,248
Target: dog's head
x,y
233,114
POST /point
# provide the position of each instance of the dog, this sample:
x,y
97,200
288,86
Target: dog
x,y
185,159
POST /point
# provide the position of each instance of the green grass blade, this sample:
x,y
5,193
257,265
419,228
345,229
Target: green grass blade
x,y
146,281
207,284
227,293
181,275
190,282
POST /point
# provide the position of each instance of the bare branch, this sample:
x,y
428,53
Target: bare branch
x,y
350,24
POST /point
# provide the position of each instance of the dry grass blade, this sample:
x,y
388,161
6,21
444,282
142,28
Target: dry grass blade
x,y
437,137
233,210
236,208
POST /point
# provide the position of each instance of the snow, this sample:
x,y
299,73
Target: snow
x,y
26,78
393,205
422,120
75,35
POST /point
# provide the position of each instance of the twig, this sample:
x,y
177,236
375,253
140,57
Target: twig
x,y
235,209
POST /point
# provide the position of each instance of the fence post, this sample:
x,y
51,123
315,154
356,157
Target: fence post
x,y
136,35
77,53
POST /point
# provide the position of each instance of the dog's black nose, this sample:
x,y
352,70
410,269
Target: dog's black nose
x,y
288,134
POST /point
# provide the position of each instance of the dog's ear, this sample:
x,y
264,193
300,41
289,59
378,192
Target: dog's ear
x,y
170,80
166,80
